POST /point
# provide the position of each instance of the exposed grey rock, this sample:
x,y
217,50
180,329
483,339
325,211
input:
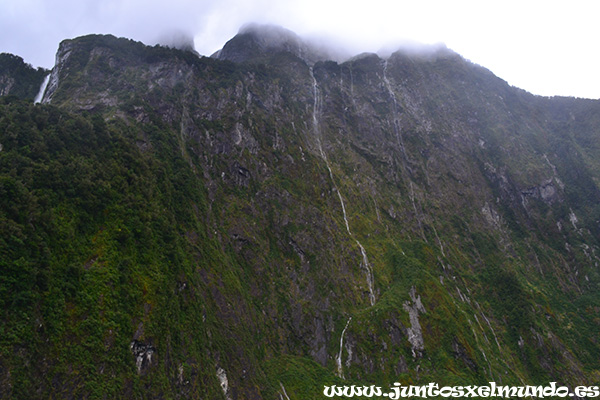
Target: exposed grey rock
x,y
222,376
414,333
143,353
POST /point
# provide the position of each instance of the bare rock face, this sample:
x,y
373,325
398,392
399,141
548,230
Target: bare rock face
x,y
414,332
143,354
62,55
6,85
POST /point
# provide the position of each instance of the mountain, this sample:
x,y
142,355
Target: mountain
x,y
18,78
265,222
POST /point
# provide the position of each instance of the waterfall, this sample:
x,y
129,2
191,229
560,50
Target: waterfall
x,y
388,86
284,393
400,141
479,347
338,360
492,329
481,327
40,95
368,272
366,266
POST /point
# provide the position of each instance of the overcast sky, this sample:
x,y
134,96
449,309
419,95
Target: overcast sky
x,y
546,47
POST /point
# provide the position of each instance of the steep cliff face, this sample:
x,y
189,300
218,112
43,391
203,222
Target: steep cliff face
x,y
267,221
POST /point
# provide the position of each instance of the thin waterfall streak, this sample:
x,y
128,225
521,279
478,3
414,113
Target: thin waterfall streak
x,y
351,84
368,272
338,360
479,346
417,214
388,86
481,327
365,261
344,212
376,209
439,240
284,392
352,88
492,329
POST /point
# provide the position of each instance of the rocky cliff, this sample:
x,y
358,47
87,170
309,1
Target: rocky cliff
x,y
268,221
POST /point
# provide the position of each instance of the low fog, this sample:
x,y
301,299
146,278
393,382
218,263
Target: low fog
x,y
177,39
540,46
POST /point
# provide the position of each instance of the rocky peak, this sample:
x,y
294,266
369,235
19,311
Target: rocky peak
x,y
255,42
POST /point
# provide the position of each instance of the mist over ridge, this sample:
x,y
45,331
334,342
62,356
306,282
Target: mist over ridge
x,y
277,38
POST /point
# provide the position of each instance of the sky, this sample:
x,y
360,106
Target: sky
x,y
545,47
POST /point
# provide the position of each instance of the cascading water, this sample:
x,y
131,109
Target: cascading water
x,y
368,272
492,329
481,327
338,359
388,86
400,141
284,393
366,266
40,95
479,347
